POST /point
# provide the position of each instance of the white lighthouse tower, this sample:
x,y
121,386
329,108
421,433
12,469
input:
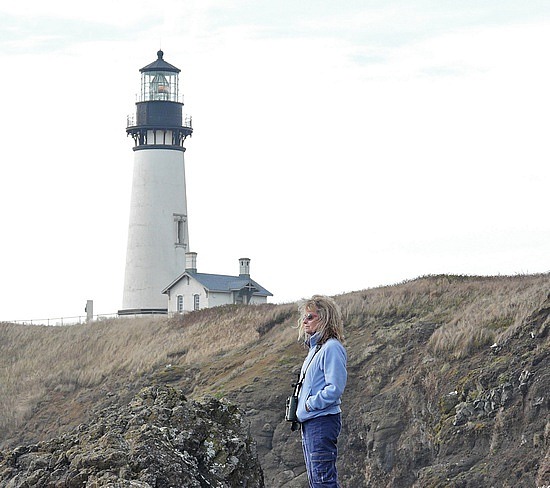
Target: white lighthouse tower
x,y
157,234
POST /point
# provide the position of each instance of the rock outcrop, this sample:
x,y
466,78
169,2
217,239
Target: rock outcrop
x,y
159,440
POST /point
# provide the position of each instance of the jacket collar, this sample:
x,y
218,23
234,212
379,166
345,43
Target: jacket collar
x,y
314,339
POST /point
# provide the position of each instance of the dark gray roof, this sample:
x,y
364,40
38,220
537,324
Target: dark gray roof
x,y
160,65
222,283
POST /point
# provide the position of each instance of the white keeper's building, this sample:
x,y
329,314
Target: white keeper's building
x,y
192,290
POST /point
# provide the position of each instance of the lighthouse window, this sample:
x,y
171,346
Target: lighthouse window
x,y
196,302
159,85
180,303
180,231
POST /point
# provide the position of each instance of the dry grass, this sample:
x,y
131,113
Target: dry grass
x,y
487,311
36,361
472,312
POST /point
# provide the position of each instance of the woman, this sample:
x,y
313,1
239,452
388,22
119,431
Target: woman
x,y
325,375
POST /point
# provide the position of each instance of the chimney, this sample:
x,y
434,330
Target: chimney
x,y
191,262
244,268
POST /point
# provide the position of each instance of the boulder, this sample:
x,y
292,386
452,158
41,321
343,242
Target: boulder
x,y
160,439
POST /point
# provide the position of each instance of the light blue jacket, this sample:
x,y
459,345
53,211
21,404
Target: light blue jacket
x,y
325,380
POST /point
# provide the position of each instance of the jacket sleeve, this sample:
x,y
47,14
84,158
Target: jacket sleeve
x,y
333,366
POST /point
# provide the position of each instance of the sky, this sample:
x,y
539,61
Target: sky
x,y
339,145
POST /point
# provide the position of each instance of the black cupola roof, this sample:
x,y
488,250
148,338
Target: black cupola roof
x,y
160,65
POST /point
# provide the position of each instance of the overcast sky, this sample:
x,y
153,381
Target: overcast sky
x,y
339,145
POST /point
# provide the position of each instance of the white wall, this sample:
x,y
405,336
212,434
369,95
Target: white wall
x,y
216,298
152,258
254,300
188,291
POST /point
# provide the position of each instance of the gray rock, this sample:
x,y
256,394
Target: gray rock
x,y
159,440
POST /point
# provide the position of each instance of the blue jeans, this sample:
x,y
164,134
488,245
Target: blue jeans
x,y
319,442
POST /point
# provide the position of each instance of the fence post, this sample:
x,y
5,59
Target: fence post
x,y
89,310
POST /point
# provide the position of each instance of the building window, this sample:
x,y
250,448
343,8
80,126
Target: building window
x,y
180,229
195,302
180,303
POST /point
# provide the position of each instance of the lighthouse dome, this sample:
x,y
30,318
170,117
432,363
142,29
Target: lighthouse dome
x,y
160,65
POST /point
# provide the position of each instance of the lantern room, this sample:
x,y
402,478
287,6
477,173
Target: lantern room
x,y
158,120
159,81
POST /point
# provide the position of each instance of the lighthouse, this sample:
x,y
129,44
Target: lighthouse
x,y
158,237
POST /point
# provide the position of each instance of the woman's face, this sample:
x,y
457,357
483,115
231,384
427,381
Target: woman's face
x,y
310,322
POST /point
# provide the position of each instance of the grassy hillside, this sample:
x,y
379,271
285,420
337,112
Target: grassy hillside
x,y
409,346
40,362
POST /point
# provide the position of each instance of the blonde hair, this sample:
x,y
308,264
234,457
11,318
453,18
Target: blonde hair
x,y
331,323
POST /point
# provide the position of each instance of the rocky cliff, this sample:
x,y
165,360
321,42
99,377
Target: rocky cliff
x,y
159,440
449,381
